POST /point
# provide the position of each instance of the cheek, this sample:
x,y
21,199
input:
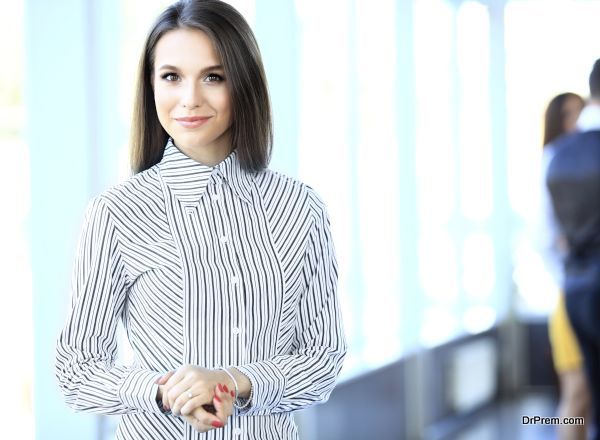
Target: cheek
x,y
222,102
163,99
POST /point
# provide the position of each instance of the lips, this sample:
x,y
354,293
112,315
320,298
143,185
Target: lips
x,y
192,121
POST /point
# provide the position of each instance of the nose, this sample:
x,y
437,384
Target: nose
x,y
191,95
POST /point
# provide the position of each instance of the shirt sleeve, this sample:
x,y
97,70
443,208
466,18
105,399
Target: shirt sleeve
x,y
307,375
87,346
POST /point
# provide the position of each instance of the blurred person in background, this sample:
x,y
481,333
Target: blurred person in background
x,y
561,118
573,180
222,271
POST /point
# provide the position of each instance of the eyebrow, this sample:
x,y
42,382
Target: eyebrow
x,y
206,69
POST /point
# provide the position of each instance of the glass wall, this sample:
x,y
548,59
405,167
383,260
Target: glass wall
x,y
16,327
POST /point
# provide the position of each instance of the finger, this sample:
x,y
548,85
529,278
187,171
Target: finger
x,y
182,392
227,393
195,424
185,406
199,426
226,390
173,388
206,420
165,377
190,405
223,404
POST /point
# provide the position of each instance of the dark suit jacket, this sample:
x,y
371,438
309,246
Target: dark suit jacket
x,y
573,180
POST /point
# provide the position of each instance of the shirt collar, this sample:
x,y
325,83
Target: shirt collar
x,y
589,119
188,179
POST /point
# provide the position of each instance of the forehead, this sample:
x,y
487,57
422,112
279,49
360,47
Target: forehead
x,y
185,47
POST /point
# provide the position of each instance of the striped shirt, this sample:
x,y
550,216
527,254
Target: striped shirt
x,y
210,266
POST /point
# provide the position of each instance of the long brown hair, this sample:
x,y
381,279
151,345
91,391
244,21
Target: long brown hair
x,y
251,128
554,119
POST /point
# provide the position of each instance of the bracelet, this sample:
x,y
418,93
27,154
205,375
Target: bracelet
x,y
236,399
238,406
235,385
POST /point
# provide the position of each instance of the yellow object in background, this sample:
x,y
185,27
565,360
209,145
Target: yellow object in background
x,y
565,348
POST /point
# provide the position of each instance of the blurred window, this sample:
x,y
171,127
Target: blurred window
x,y
16,326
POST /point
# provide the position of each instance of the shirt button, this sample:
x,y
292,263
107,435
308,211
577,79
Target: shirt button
x,y
234,279
237,431
224,239
236,330
214,197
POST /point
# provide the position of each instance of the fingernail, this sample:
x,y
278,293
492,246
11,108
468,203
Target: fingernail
x,y
217,424
220,387
225,388
217,398
232,393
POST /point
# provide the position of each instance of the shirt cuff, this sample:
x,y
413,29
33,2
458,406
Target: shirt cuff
x,y
139,390
268,384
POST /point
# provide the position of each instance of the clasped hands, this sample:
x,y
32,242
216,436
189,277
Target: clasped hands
x,y
202,397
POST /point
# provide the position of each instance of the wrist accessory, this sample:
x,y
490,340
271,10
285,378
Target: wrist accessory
x,y
237,403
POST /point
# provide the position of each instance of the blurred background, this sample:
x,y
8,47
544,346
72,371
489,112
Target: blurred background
x,y
420,124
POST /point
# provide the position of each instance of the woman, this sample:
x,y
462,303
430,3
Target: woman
x,y
222,271
561,118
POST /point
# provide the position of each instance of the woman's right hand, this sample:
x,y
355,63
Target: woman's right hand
x,y
202,418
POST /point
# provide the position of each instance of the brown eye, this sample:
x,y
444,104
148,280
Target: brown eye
x,y
170,76
213,77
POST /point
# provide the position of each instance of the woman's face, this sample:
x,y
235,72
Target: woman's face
x,y
570,111
191,95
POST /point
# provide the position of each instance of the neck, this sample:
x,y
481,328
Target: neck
x,y
209,155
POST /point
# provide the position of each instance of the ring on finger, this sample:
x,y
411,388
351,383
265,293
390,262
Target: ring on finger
x,y
189,394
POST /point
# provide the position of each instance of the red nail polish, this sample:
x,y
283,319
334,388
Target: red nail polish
x,y
217,398
225,388
217,424
220,387
232,394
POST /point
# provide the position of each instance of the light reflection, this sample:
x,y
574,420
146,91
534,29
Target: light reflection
x,y
477,319
435,155
377,159
475,143
537,288
439,325
478,266
438,267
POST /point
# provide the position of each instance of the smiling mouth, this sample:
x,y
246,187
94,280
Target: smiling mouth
x,y
192,121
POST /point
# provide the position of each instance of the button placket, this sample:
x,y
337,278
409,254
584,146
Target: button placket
x,y
190,210
214,192
226,238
